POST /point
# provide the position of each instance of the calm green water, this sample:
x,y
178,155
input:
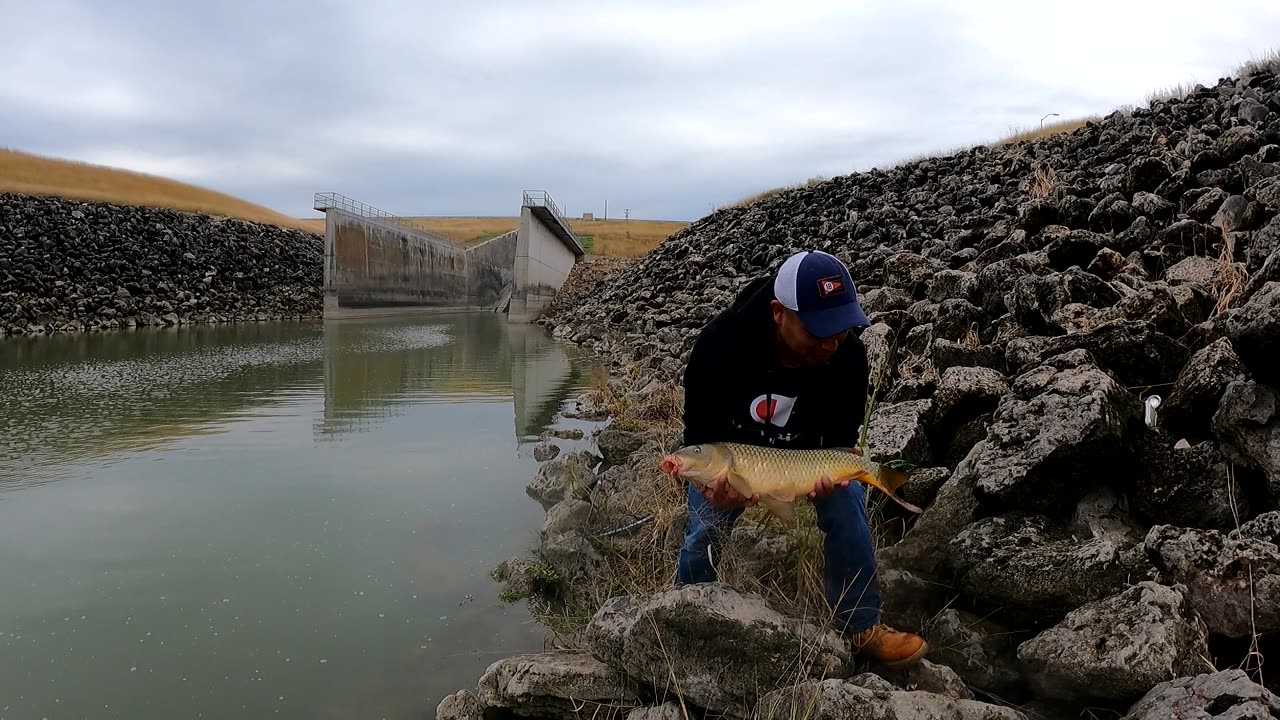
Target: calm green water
x,y
270,520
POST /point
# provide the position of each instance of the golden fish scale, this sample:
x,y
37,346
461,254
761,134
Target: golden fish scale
x,y
791,471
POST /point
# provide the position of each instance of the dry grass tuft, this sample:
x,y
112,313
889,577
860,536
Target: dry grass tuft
x,y
1019,134
1043,181
29,174
1230,277
811,182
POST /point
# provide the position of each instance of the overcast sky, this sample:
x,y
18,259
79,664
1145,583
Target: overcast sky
x,y
667,108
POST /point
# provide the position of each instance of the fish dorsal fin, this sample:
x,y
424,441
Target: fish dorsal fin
x,y
851,450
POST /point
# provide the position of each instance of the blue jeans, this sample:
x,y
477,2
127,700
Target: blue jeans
x,y
849,554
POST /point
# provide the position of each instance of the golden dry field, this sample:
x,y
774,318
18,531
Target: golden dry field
x,y
615,238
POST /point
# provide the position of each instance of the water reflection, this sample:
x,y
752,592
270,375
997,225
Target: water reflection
x,y
287,519
101,397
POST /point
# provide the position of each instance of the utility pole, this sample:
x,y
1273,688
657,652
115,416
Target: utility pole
x,y
606,209
626,213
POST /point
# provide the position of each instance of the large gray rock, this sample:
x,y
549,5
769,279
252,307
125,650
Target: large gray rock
x,y
842,700
666,711
1034,299
964,393
617,445
1061,423
1254,330
1247,425
1186,486
1224,695
882,353
568,476
1037,569
929,677
1199,389
565,516
1117,648
898,432
557,683
721,648
981,651
1232,579
1133,350
462,705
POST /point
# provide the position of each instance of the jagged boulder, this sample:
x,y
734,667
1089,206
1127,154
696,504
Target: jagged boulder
x,y
1232,579
1134,350
1247,425
565,516
1254,330
982,652
616,445
1188,486
1117,648
1224,695
1061,423
1199,388
558,684
1037,569
963,394
898,431
841,700
666,711
568,476
462,705
720,647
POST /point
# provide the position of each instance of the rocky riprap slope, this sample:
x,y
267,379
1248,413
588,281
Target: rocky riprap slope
x,y
1073,560
68,265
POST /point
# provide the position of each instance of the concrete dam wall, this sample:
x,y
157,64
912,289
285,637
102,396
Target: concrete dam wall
x,y
373,263
375,260
491,270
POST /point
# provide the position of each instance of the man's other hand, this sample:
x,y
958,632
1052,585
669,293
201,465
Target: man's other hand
x,y
722,496
824,488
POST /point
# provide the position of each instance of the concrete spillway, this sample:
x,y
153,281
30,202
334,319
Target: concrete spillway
x,y
376,262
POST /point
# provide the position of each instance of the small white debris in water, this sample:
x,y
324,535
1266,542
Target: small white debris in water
x,y
322,660
133,669
226,600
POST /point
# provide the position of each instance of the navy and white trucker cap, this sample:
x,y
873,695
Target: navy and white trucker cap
x,y
818,287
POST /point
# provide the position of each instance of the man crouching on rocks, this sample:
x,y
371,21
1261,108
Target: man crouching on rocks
x,y
782,367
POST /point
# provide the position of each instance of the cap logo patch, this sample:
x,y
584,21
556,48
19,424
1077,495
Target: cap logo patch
x,y
828,287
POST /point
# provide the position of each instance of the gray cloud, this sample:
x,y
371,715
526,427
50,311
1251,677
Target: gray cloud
x,y
666,108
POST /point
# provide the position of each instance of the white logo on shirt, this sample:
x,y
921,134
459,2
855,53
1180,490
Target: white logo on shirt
x,y
776,409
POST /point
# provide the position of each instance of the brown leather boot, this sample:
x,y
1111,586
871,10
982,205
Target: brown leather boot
x,y
893,648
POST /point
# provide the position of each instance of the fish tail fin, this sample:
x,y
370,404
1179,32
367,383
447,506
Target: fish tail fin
x,y
892,478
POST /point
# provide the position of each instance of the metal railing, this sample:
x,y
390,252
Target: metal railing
x,y
336,201
543,198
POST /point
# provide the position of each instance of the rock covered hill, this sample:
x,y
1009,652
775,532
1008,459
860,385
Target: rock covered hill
x,y
72,265
1076,555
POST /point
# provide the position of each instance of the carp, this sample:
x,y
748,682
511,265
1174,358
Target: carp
x,y
780,475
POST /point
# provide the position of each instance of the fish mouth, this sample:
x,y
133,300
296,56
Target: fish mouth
x,y
670,465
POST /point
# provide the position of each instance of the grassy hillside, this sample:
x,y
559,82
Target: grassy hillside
x,y
28,174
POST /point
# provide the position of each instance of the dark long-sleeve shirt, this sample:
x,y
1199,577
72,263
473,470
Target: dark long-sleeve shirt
x,y
733,381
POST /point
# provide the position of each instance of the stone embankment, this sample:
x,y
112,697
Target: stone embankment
x,y
68,265
1076,557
